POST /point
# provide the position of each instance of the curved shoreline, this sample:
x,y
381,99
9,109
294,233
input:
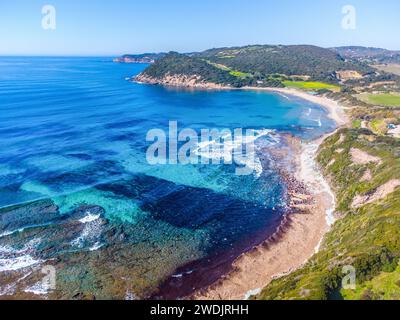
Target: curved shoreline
x,y
303,234
335,110
292,246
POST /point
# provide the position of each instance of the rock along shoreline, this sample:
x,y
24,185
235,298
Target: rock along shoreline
x,y
301,232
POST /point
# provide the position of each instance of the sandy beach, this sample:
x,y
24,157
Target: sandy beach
x,y
335,110
302,233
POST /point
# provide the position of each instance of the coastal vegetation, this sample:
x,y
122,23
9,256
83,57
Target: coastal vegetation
x,y
308,85
390,68
140,58
361,160
180,64
369,55
261,60
261,66
385,286
365,236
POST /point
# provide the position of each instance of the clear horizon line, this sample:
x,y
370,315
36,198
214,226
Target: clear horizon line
x,y
78,55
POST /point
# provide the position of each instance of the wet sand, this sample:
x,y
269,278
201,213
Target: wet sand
x,y
298,238
301,231
301,236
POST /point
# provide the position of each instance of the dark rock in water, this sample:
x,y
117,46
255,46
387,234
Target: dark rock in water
x,y
112,259
140,187
77,178
88,175
36,213
80,156
54,234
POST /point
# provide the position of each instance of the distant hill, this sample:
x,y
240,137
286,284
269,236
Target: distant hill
x,y
367,54
265,65
180,64
140,58
319,63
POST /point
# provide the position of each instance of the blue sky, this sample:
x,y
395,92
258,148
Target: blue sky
x,y
102,27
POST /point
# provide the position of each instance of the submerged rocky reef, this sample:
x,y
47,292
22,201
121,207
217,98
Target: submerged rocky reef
x,y
98,254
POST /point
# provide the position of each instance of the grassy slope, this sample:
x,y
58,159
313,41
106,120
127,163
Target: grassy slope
x,y
319,63
305,85
257,65
386,100
231,72
376,55
175,63
366,238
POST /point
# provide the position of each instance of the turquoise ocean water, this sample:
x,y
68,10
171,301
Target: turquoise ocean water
x,y
77,192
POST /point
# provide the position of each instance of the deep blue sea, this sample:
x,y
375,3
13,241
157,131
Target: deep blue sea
x,y
77,192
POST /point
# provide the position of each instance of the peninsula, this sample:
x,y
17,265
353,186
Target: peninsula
x,y
360,89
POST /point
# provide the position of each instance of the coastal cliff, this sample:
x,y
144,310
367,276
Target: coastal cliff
x,y
257,66
178,80
365,235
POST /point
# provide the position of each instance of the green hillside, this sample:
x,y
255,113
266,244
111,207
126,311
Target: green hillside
x,y
366,237
175,63
370,55
319,63
366,234
257,65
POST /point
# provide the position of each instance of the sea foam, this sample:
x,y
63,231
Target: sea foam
x,y
232,149
12,259
314,179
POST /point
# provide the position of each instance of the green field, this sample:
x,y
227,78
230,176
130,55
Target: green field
x,y
306,85
219,66
386,100
357,123
227,57
240,74
234,73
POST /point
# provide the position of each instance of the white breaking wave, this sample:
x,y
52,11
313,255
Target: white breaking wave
x,y
284,96
251,293
308,115
38,288
91,232
12,259
17,263
9,233
232,149
96,246
8,290
5,234
180,275
89,218
314,179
